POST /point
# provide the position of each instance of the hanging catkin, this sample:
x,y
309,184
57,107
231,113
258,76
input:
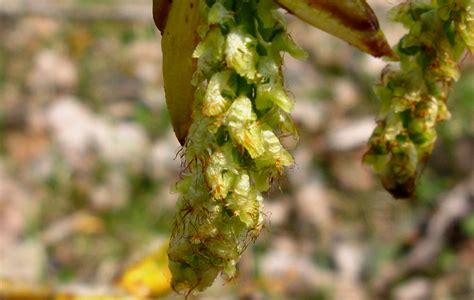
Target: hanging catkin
x,y
233,148
413,98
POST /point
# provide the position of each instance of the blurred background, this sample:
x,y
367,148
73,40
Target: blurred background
x,y
88,159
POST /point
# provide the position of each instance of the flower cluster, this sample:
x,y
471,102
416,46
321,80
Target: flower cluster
x,y
413,98
232,150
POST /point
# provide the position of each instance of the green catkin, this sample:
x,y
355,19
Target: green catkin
x,y
232,150
413,98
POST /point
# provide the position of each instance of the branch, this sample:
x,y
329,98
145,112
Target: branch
x,y
453,207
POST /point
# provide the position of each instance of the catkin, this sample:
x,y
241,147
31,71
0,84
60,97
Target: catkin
x,y
233,150
413,98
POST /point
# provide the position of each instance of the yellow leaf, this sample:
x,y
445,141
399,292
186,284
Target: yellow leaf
x,y
178,22
150,277
25,291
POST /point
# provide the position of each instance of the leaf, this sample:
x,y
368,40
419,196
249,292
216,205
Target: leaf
x,y
350,20
161,10
178,22
150,277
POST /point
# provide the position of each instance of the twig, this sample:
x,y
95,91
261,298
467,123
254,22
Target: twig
x,y
453,207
